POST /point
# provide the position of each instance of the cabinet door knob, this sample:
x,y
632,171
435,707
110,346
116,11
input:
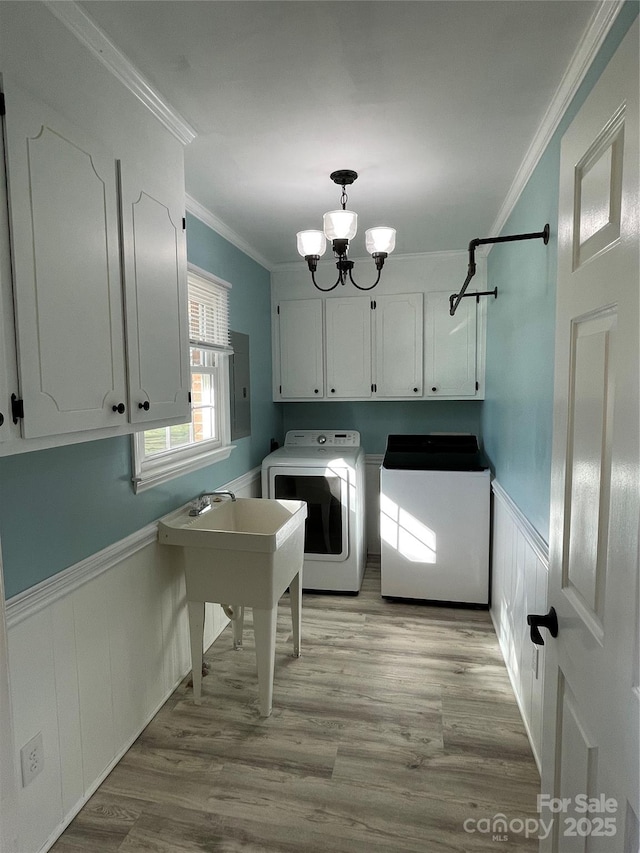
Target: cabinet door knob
x,y
416,390
144,405
119,408
333,390
434,388
315,390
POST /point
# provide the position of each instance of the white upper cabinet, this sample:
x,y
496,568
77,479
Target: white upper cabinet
x,y
450,347
398,335
98,281
64,236
155,268
348,347
299,354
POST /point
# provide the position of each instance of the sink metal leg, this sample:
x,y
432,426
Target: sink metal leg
x,y
196,630
295,597
237,625
264,627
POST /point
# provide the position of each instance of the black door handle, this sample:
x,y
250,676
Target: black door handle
x,y
144,405
119,408
537,621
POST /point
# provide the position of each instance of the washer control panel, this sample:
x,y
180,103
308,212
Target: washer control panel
x,y
322,438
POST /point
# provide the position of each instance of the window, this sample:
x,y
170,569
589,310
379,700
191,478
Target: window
x,y
166,452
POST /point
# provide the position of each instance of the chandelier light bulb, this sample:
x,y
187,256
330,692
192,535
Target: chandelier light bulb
x,y
380,239
340,224
311,243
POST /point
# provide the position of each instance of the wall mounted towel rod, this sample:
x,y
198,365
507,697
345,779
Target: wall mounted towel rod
x,y
456,298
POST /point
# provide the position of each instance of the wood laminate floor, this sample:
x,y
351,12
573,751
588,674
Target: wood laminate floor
x,y
396,726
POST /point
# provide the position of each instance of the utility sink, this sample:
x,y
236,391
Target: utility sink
x,y
241,553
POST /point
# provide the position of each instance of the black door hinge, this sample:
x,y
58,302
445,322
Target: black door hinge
x,y
184,223
280,387
373,304
278,309
17,408
3,109
189,396
374,388
477,386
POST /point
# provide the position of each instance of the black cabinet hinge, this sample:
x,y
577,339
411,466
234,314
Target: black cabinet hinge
x,y
477,386
373,304
17,408
280,389
3,109
374,388
184,223
189,397
277,309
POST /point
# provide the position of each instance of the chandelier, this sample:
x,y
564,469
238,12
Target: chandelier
x,y
340,226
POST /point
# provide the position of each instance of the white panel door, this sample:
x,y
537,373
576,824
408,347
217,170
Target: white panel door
x,y
592,697
450,344
155,273
67,288
348,347
399,335
301,337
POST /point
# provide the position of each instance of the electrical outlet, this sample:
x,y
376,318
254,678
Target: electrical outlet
x,y
32,759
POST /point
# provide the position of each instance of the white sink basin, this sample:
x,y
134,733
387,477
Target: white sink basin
x,y
243,553
248,524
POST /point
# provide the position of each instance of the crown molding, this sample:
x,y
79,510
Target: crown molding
x,y
211,220
585,53
91,36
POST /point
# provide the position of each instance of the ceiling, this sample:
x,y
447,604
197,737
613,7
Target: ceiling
x,y
433,103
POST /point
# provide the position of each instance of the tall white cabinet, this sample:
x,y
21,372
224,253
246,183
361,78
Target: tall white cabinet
x,y
155,286
399,345
348,347
451,347
63,214
300,348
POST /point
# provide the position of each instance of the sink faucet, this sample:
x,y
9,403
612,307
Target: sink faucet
x,y
202,502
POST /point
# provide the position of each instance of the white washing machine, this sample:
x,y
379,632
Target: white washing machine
x,y
325,468
434,519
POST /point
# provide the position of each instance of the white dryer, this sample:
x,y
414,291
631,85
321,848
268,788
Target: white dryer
x,y
325,468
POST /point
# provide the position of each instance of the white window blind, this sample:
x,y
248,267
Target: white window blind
x,y
208,315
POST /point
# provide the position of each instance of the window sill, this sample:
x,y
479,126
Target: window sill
x,y
171,466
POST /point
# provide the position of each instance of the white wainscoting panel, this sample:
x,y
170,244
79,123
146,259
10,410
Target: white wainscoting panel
x,y
93,654
520,566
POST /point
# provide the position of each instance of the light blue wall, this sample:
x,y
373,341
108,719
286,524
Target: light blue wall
x,y
376,420
61,505
517,414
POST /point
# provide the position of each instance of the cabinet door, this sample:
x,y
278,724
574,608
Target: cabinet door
x,y
451,347
348,347
399,331
301,335
66,270
155,275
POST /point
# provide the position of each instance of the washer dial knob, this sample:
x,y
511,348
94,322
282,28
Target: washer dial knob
x,y
322,439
